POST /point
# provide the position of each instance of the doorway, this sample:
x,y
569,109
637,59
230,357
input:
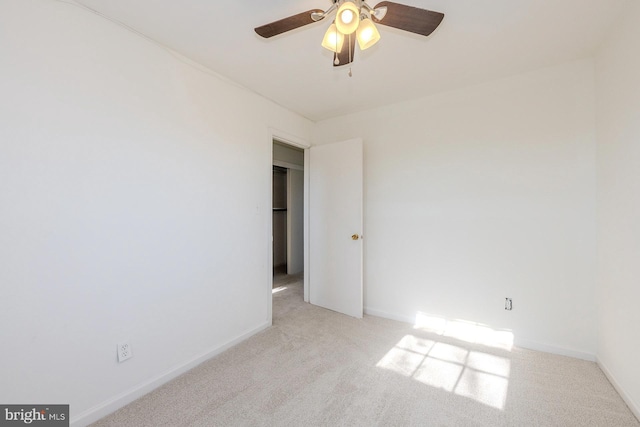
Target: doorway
x,y
331,249
287,220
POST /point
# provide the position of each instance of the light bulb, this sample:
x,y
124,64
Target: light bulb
x,y
347,19
347,16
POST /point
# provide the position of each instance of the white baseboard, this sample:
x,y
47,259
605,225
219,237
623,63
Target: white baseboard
x,y
633,406
103,409
392,316
549,348
528,344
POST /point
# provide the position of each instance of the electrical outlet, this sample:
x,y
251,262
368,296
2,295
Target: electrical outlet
x,y
124,352
508,304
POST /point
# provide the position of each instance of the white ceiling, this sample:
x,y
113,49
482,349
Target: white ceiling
x,y
478,40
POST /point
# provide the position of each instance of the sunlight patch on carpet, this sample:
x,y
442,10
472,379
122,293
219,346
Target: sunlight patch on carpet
x,y
473,374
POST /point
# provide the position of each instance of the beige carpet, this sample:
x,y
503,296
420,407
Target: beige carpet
x,y
315,367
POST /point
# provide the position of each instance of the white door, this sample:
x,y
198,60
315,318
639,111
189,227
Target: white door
x,y
335,226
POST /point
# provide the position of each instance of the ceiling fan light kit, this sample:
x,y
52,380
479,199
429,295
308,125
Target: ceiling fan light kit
x,y
356,16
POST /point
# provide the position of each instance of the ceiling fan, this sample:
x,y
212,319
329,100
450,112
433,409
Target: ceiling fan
x,y
355,21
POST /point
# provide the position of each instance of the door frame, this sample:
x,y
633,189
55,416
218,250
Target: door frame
x,y
297,142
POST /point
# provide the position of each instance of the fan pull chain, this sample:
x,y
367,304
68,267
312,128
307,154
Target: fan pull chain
x,y
350,58
337,60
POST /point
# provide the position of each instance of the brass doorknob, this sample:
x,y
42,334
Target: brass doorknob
x,y
355,237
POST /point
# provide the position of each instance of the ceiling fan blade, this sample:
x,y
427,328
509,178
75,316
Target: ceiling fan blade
x,y
287,24
409,18
343,57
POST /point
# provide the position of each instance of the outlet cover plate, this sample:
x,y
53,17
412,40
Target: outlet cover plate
x,y
124,352
508,304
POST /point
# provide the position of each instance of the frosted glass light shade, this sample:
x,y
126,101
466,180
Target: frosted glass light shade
x,y
333,39
367,34
348,18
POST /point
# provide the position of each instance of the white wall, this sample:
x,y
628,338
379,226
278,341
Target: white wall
x,y
618,101
484,193
118,219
